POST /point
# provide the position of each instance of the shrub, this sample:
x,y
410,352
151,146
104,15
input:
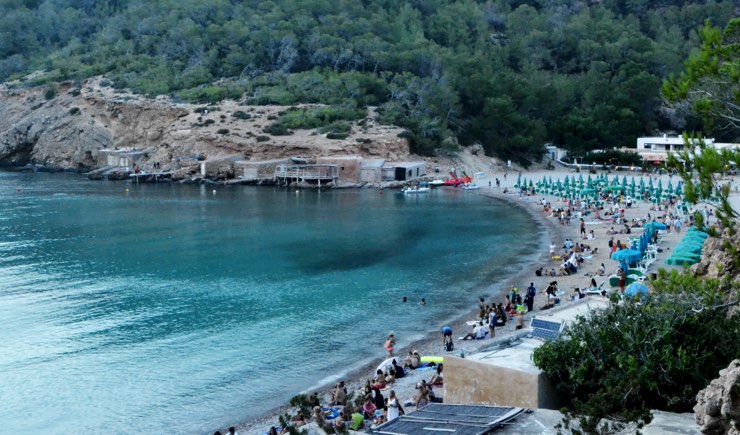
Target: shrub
x,y
262,138
337,135
631,358
277,129
209,122
50,92
337,127
317,117
223,131
240,114
74,111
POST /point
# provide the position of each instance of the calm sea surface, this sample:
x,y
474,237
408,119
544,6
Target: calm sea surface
x,y
164,308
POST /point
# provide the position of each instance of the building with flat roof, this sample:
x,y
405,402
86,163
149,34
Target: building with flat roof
x,y
656,149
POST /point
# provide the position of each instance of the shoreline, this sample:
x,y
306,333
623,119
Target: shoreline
x,y
551,232
430,344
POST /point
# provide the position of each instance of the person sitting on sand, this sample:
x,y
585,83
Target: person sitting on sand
x,y
382,418
378,398
390,377
413,360
318,416
437,378
342,420
398,371
380,381
500,316
479,332
368,408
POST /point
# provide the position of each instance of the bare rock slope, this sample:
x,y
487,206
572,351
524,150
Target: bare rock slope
x,y
65,127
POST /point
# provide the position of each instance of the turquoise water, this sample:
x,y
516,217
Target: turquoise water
x,y
131,308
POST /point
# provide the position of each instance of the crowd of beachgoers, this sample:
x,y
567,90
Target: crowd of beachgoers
x,y
582,235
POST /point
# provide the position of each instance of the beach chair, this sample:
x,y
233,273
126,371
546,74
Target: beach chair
x,y
597,290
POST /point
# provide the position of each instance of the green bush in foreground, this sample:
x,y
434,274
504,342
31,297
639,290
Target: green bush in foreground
x,y
620,363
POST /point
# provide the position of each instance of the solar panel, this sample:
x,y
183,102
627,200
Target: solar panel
x,y
545,324
545,334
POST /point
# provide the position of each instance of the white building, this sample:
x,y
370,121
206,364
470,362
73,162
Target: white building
x,y
656,149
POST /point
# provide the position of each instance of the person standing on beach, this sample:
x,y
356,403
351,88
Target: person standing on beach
x,y
583,228
531,292
394,407
447,338
390,342
622,280
492,320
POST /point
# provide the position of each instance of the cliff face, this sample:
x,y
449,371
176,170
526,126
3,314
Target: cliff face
x,y
66,129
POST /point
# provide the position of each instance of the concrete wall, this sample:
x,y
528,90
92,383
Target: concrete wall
x,y
472,382
259,170
349,167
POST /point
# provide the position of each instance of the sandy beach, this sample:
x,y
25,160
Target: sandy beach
x,y
553,232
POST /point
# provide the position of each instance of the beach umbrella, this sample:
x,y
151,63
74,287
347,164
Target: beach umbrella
x,y
589,180
655,225
660,184
636,289
518,180
615,180
624,181
632,182
566,180
629,255
678,190
650,183
544,181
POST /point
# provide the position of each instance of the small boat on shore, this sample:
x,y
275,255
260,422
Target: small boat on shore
x,y
471,186
415,189
435,183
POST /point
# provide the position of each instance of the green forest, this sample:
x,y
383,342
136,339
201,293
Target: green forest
x,y
511,75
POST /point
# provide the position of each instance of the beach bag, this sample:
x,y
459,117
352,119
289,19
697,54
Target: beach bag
x,y
449,347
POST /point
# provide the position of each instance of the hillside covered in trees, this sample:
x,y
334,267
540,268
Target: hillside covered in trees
x,y
511,75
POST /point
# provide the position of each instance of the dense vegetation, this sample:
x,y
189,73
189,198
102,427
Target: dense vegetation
x,y
510,74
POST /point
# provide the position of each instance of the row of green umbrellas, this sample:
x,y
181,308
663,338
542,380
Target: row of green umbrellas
x,y
580,188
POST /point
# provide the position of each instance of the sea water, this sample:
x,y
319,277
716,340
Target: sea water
x,y
133,308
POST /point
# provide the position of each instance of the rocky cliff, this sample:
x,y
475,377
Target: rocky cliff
x,y
718,406
64,127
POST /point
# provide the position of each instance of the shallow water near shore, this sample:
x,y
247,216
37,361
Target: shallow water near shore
x,y
171,308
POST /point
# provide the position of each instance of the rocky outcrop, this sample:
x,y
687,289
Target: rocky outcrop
x,y
718,406
719,262
67,126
